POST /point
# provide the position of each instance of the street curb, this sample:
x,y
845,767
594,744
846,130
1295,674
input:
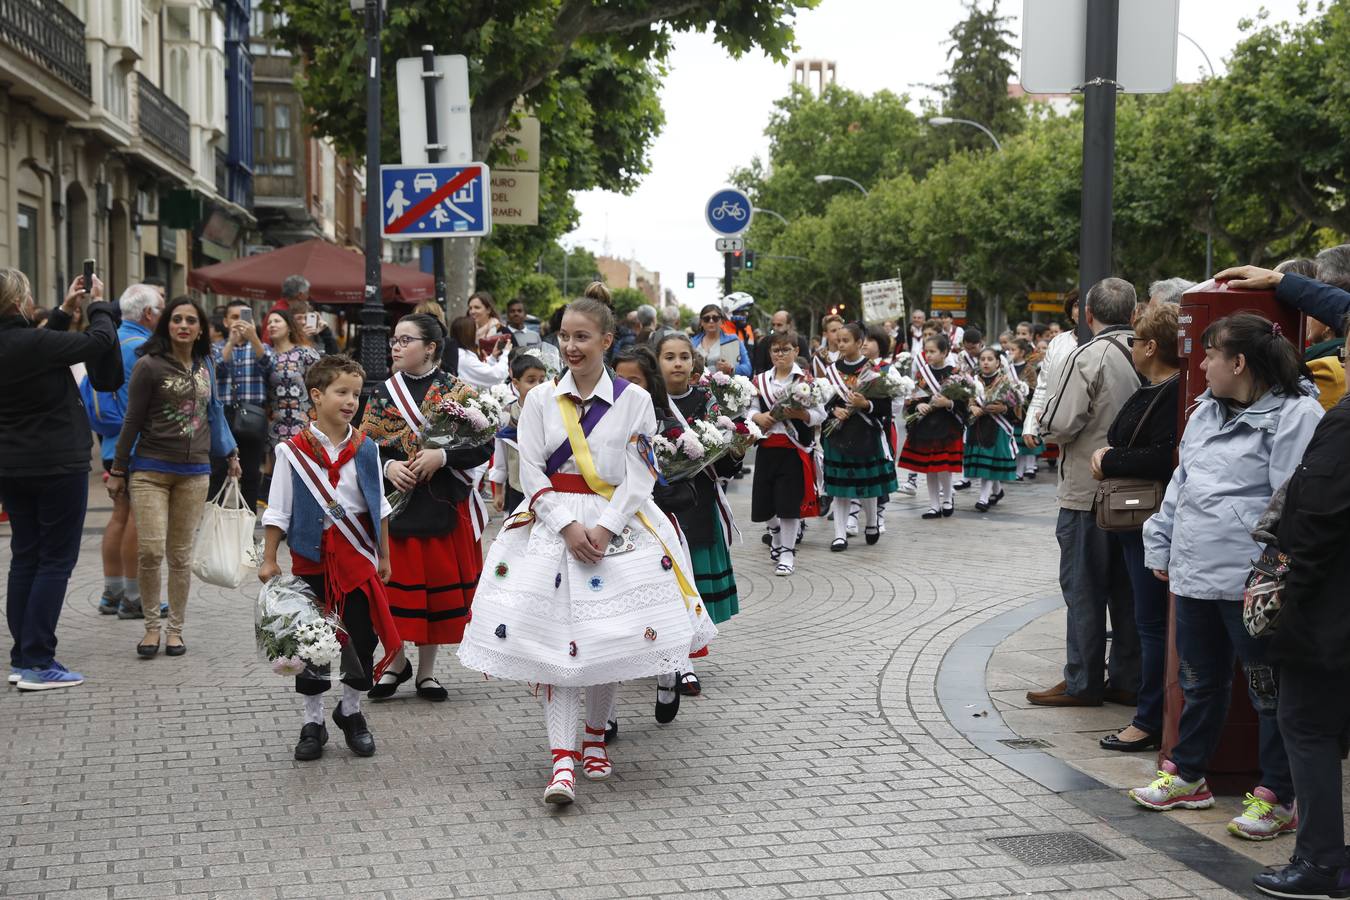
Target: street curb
x,y
964,697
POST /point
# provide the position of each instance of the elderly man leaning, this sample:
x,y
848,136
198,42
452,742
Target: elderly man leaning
x,y
1096,381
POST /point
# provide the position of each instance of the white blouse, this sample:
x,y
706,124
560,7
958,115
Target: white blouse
x,y
347,492
483,373
814,416
541,432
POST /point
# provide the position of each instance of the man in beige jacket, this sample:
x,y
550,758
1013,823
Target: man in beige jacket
x,y
1094,384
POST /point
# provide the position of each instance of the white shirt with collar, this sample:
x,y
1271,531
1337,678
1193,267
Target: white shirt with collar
x,y
483,373
541,431
814,416
347,492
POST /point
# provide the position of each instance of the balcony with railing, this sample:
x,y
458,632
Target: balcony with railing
x,y
162,122
49,35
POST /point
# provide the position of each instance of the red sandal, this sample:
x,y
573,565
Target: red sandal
x,y
595,758
562,788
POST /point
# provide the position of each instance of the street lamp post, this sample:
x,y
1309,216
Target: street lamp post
x,y
374,331
1209,223
821,179
779,217
948,120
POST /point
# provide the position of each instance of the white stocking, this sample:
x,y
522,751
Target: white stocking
x,y
314,709
933,487
426,661
869,511
787,534
562,709
840,521
986,489
945,480
599,702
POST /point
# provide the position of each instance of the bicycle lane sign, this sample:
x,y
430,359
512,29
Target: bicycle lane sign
x,y
729,212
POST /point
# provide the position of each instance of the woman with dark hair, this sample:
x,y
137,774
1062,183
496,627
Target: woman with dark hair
x,y
1242,442
722,352
486,322
476,368
285,371
434,548
165,447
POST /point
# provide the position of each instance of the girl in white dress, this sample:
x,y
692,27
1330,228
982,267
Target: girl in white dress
x,y
589,586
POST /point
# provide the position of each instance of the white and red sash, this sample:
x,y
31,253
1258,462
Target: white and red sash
x,y
1000,418
412,414
724,516
347,524
930,379
770,392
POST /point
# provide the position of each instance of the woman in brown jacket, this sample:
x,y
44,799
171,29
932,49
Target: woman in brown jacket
x,y
165,445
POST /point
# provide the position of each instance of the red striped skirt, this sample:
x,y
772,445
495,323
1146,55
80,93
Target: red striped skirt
x,y
931,457
433,582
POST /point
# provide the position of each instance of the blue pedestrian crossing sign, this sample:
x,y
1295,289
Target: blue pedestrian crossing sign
x,y
435,201
729,212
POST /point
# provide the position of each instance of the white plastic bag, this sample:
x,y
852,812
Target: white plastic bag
x,y
225,554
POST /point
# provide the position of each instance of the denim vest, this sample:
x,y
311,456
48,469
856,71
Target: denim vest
x,y
305,534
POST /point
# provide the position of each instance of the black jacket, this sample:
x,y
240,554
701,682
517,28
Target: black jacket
x,y
44,429
761,358
1314,626
1153,452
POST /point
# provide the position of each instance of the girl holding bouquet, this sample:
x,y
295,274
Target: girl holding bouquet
x,y
990,451
589,585
788,408
434,544
935,425
857,462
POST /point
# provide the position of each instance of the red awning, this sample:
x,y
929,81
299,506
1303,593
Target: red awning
x,y
335,275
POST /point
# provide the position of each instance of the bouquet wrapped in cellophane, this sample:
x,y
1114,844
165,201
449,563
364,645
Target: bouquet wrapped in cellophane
x,y
291,631
733,393
957,387
744,434
460,419
804,393
684,452
885,383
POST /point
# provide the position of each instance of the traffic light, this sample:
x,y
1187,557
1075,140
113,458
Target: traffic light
x,y
749,260
738,259
689,281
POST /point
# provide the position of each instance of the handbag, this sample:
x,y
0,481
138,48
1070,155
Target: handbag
x,y
1263,597
224,553
1124,504
248,421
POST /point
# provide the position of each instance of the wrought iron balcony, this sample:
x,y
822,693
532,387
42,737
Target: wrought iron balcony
x,y
50,35
161,121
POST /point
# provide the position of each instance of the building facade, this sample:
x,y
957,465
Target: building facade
x,y
629,273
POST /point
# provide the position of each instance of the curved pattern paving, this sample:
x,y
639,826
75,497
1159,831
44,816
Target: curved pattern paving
x,y
817,763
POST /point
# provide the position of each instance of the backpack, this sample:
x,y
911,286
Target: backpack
x,y
105,409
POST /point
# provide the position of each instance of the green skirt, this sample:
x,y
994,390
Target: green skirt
x,y
858,475
714,579
989,452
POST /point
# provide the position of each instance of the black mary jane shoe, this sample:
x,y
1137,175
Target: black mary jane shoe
x,y
981,506
312,738
384,690
931,514
145,651
961,485
611,731
1113,742
430,689
993,501
767,537
689,685
666,712
838,545
354,728
871,535
175,649
947,510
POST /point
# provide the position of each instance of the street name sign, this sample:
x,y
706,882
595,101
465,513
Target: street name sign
x,y
729,211
435,201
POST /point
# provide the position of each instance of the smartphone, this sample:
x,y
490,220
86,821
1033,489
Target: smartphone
x,y
246,314
312,321
88,276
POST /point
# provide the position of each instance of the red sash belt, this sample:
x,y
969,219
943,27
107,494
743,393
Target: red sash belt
x,y
810,507
566,483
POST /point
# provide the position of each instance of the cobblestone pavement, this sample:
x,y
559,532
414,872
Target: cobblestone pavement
x,y
817,763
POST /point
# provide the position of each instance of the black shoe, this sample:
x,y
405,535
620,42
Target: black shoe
x,y
961,485
312,738
430,689
383,690
931,514
174,649
1030,476
871,535
993,501
1113,742
768,537
665,712
688,685
838,545
947,510
1302,878
148,650
611,731
981,506
801,533
356,731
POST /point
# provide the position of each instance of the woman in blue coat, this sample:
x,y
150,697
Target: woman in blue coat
x,y
722,352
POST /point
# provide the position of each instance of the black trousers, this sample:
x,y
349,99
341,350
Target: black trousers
x,y
358,653
1314,717
251,456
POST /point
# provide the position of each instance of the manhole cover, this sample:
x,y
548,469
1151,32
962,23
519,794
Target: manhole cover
x,y
1056,848
1025,743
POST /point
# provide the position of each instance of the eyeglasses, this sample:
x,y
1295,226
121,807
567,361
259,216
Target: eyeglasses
x,y
782,349
1135,339
712,318
402,340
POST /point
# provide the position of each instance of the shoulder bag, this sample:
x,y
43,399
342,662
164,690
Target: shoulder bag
x,y
1124,504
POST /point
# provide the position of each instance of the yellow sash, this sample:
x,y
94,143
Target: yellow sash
x,y
581,452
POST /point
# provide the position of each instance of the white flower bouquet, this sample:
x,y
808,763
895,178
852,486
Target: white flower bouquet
x,y
684,452
460,419
733,393
805,393
291,631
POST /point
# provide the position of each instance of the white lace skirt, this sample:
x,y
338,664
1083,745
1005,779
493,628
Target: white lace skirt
x,y
541,616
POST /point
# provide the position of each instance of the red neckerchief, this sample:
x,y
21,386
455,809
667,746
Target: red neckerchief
x,y
315,451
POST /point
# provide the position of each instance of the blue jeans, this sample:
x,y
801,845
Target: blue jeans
x,y
46,516
1150,620
1209,633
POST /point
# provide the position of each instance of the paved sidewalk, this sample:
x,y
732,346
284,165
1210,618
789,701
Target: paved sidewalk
x,y
818,763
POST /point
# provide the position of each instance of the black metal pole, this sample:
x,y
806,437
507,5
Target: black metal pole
x,y
374,331
430,77
729,271
1099,148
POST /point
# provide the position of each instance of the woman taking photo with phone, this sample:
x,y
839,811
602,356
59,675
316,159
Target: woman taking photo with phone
x,y
477,368
286,367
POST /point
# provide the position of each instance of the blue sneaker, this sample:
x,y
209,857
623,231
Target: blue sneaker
x,y
15,674
109,604
50,678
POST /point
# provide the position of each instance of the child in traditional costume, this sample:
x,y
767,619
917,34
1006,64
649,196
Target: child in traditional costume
x,y
933,439
527,372
990,451
1025,365
434,540
326,498
858,463
588,585
786,488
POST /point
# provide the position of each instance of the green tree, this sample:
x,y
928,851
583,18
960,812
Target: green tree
x,y
980,54
589,69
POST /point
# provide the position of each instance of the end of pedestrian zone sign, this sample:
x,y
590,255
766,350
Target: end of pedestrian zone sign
x,y
435,201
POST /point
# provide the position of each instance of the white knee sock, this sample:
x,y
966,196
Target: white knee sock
x,y
787,533
986,489
945,480
840,523
933,499
351,700
314,709
426,661
869,511
599,702
562,709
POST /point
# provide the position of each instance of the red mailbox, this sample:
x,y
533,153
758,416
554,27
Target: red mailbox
x,y
1234,764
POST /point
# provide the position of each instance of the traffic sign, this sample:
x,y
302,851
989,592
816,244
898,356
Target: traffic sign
x,y
725,244
1054,46
729,212
452,110
948,289
435,201
1046,301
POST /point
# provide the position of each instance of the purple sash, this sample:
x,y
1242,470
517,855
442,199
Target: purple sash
x,y
588,423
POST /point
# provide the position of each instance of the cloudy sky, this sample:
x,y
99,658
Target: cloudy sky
x,y
716,110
